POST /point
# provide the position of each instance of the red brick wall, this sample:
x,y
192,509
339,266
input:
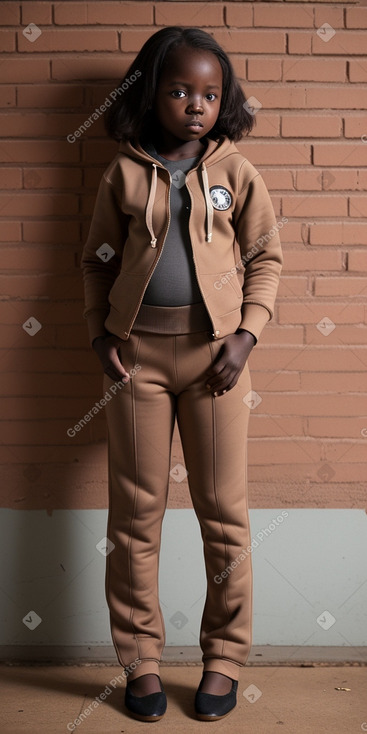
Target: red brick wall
x,y
307,441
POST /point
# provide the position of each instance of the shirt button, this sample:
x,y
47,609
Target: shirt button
x,y
217,333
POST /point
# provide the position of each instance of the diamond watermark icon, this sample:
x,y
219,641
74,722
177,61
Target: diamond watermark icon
x,y
179,473
31,326
252,399
325,326
252,105
326,620
252,693
178,178
105,252
32,620
325,472
326,32
179,620
32,32
105,546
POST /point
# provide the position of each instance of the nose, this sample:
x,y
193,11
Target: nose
x,y
195,104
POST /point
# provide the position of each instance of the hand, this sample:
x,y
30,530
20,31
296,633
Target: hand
x,y
107,349
229,362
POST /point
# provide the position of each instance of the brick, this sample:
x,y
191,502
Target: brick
x,y
239,65
70,40
188,14
311,126
267,126
342,44
332,15
59,312
278,96
292,232
132,40
264,69
25,70
278,452
309,180
348,154
66,384
7,41
333,179
283,16
36,12
51,232
319,427
110,13
66,69
282,335
52,178
32,151
10,231
344,233
305,358
334,382
312,405
357,206
312,260
291,286
342,286
310,70
255,42
50,96
279,381
351,334
40,259
10,13
277,178
355,126
32,286
357,260
40,204
299,42
276,153
7,97
238,16
266,426
356,18
33,125
311,313
357,70
315,206
335,97
10,178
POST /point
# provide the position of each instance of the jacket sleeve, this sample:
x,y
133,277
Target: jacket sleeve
x,y
102,255
261,254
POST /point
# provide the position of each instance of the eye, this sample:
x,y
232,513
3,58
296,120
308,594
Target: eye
x,y
213,96
176,92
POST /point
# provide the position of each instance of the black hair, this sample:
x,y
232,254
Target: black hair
x,y
130,116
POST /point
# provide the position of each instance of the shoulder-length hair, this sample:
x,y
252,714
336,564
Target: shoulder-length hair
x,y
130,116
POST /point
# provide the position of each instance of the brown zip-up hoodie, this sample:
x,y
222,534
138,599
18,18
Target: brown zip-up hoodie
x,y
233,230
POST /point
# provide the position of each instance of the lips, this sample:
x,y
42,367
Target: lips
x,y
194,123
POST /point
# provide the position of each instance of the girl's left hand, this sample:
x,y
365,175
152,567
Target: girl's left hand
x,y
229,363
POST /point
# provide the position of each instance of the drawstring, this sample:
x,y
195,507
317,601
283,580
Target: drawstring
x,y
209,205
150,204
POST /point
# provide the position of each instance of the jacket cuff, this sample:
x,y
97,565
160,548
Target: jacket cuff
x,y
254,318
95,323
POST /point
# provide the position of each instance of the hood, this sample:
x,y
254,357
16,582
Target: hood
x,y
216,151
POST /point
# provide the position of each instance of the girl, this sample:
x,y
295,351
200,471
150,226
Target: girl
x,y
181,270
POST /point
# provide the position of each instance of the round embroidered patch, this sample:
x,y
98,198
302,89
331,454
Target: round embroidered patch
x,y
221,198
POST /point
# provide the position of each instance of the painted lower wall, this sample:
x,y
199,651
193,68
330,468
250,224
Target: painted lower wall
x,y
310,579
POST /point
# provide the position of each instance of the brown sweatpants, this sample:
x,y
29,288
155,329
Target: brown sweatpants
x,y
171,383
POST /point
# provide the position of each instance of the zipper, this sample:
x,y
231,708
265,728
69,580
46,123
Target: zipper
x,y
159,256
195,268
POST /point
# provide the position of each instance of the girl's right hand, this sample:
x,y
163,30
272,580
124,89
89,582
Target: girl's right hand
x,y
107,348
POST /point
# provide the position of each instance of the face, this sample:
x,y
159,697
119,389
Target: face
x,y
188,96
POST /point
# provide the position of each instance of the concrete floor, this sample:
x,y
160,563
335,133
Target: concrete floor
x,y
288,700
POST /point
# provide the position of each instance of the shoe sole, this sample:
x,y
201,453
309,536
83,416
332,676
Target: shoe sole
x,y
207,717
140,717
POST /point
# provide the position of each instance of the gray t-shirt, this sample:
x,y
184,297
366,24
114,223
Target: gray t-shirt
x,y
174,281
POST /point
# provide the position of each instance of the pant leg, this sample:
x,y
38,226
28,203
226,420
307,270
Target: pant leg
x,y
140,421
214,440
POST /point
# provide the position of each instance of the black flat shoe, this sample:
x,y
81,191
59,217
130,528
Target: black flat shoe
x,y
146,708
209,707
